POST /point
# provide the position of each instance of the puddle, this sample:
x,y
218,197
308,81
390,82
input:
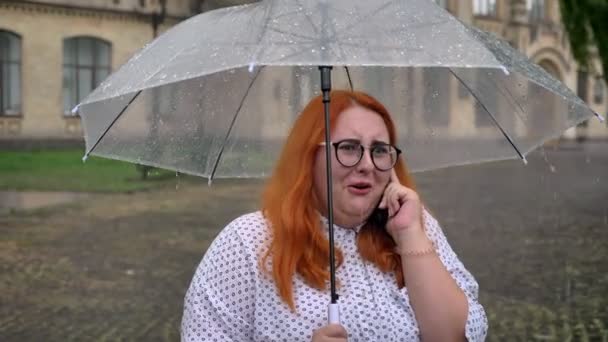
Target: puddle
x,y
17,200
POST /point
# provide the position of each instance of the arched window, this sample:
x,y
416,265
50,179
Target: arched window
x,y
10,73
86,62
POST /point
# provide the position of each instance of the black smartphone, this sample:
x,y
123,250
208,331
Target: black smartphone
x,y
379,217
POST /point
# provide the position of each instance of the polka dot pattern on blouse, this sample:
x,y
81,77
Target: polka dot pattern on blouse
x,y
229,299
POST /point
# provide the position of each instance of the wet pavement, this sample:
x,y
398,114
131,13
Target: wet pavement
x,y
27,200
116,267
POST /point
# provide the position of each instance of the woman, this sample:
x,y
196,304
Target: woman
x,y
265,277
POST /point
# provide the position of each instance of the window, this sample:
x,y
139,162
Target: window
x,y
536,10
10,73
581,85
86,62
484,8
598,91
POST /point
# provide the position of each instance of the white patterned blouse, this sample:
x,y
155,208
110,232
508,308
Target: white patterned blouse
x,y
229,299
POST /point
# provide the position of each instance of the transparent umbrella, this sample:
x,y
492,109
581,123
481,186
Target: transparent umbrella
x,y
216,95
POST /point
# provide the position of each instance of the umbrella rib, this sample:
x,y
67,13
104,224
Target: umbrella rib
x,y
238,110
309,19
112,124
379,9
350,81
359,20
504,133
512,99
261,37
291,34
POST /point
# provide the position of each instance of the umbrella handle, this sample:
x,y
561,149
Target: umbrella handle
x,y
333,312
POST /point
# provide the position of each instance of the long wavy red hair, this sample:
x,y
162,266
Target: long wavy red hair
x,y
298,242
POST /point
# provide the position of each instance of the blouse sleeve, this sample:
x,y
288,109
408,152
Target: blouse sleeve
x,y
219,304
477,323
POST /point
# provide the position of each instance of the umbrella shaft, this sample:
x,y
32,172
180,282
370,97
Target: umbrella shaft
x,y
326,88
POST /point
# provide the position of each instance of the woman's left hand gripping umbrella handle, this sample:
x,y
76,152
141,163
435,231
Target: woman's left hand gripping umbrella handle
x,y
333,313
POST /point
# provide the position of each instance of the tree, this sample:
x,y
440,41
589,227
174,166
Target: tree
x,y
586,22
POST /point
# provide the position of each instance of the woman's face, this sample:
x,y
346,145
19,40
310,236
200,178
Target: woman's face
x,y
357,189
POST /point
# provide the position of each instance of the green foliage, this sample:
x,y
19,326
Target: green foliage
x,y
586,22
64,170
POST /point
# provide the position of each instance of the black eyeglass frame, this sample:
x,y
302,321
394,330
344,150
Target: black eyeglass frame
x,y
363,148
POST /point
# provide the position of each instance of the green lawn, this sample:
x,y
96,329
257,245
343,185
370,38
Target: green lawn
x,y
64,170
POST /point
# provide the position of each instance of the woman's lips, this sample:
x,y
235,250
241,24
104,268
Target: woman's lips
x,y
359,190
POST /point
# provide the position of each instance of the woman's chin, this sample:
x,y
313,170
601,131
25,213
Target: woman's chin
x,y
360,209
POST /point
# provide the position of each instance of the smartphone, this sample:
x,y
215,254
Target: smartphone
x,y
379,217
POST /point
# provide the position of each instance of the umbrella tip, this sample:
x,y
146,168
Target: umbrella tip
x,y
505,70
75,109
524,160
209,180
251,66
85,157
599,117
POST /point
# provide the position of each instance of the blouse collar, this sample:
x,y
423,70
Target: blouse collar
x,y
356,229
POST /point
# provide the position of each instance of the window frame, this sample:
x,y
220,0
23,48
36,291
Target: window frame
x,y
485,8
8,62
98,70
537,10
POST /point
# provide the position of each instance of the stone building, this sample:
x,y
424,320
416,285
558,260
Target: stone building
x,y
54,52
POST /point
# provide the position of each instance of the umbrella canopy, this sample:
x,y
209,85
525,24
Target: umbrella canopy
x,y
216,95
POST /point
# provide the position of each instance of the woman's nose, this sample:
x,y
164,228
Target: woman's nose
x,y
366,164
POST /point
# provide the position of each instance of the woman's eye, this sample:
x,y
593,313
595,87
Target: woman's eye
x,y
349,147
381,150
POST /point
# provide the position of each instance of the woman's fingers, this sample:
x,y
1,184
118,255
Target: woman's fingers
x,y
382,203
330,333
395,196
336,331
392,199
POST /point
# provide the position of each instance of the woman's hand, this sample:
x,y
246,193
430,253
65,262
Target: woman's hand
x,y
404,211
330,333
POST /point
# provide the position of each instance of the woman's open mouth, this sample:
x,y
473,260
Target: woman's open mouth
x,y
360,188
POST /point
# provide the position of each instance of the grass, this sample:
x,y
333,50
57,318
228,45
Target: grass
x,y
64,170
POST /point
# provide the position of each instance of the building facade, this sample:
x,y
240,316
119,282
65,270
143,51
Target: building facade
x,y
54,52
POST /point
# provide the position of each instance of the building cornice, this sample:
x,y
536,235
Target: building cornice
x,y
79,11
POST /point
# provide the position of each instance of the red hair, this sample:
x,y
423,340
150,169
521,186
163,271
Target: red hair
x,y
298,242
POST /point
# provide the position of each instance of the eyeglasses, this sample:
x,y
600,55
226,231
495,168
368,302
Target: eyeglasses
x,y
349,153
